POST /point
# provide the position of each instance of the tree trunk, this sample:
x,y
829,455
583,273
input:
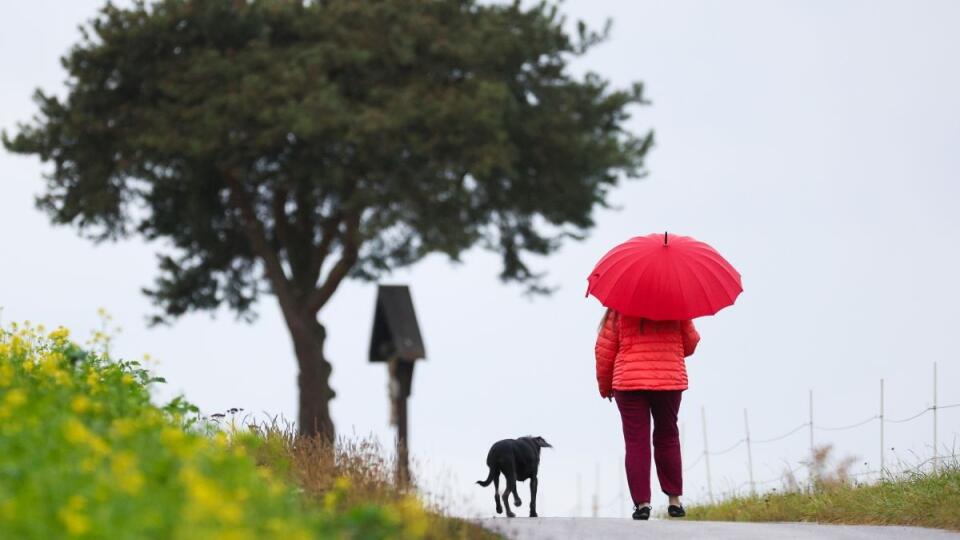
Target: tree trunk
x,y
314,378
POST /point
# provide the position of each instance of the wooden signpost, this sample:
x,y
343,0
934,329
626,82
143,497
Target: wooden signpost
x,y
396,341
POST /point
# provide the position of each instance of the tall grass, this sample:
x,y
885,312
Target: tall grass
x,y
319,467
911,497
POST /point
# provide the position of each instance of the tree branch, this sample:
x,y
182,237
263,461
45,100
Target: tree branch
x,y
281,225
328,231
261,247
348,258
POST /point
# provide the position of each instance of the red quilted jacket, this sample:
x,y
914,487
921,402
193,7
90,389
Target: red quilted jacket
x,y
639,354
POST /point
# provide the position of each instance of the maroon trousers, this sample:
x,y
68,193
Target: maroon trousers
x,y
636,409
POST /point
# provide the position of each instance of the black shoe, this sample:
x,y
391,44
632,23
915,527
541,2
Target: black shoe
x,y
641,512
675,510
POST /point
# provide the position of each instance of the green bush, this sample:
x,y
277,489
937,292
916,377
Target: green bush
x,y
85,454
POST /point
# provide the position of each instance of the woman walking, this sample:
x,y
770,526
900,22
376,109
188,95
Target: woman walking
x,y
640,363
653,287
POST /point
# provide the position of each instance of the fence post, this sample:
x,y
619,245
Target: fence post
x,y
746,427
883,471
596,490
810,472
579,496
935,465
706,453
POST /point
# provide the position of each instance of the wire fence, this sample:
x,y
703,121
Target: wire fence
x,y
788,476
703,457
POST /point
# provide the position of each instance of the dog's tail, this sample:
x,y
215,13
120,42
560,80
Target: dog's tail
x,y
493,474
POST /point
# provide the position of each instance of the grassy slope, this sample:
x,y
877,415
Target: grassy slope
x,y
84,453
927,500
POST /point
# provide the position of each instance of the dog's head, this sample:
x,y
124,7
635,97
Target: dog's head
x,y
539,442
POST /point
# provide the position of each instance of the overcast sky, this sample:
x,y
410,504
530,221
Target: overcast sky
x,y
814,144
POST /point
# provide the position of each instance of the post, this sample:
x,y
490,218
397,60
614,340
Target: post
x,y
403,460
811,424
935,464
706,453
579,496
401,379
883,471
810,473
746,427
596,489
396,341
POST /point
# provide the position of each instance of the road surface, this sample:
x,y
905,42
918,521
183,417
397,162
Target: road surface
x,y
616,529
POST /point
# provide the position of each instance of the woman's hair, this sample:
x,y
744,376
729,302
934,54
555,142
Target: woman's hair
x,y
603,320
658,326
644,323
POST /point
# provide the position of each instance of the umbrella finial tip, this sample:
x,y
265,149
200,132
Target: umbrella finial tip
x,y
664,237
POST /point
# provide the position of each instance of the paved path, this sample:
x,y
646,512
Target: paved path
x,y
616,529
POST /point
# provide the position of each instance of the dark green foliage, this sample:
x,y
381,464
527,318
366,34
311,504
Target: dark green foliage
x,y
285,145
381,130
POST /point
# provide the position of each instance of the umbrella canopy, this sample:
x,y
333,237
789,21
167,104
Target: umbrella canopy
x,y
664,277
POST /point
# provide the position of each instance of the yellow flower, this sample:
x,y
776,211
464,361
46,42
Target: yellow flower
x,y
172,437
342,483
127,477
6,373
415,522
80,404
220,439
17,345
51,365
59,335
73,518
15,398
207,498
123,427
77,433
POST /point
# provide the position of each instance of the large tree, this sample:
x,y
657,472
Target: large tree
x,y
282,146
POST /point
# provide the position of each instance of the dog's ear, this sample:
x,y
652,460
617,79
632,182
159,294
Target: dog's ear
x,y
542,443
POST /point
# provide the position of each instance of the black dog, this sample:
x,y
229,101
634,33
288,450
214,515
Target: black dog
x,y
517,459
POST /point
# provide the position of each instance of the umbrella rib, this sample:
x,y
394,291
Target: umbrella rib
x,y
710,270
714,256
639,278
617,251
706,295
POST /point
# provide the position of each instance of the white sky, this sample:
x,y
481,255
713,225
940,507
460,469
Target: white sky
x,y
813,143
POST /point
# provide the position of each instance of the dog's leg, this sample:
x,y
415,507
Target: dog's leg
x,y
496,492
533,496
511,476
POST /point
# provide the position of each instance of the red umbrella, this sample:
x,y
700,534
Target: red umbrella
x,y
664,278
